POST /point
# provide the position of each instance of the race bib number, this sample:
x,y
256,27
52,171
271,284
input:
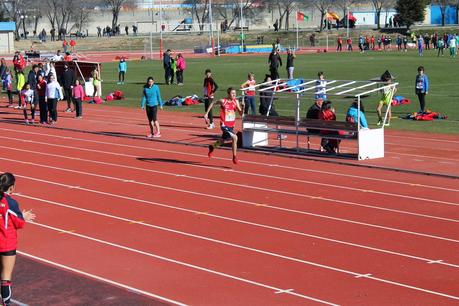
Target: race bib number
x,y
230,116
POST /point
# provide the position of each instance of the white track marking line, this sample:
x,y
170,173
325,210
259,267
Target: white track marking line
x,y
149,149
221,242
228,199
275,289
102,279
137,119
13,301
188,265
363,275
435,261
283,291
228,219
182,130
214,169
239,185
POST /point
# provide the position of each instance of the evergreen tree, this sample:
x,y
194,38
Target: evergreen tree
x,y
410,11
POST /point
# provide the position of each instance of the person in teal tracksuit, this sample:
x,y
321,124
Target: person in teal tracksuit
x,y
122,69
151,98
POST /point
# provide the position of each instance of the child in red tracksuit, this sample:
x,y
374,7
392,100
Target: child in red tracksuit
x,y
12,219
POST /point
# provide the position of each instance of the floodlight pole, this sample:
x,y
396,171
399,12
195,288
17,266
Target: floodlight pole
x,y
242,29
347,23
212,42
160,30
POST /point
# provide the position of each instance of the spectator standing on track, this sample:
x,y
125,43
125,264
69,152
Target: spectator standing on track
x,y
349,44
167,65
41,93
274,62
19,62
421,88
32,80
12,220
96,82
20,84
209,89
52,95
28,98
8,84
181,66
249,94
339,42
151,98
67,81
122,69
77,96
228,108
290,66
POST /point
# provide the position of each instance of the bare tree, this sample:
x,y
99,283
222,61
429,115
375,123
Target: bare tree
x,y
443,4
13,10
322,6
378,6
344,5
115,6
231,10
200,9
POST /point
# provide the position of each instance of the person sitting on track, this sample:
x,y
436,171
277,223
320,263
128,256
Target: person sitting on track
x,y
228,107
12,220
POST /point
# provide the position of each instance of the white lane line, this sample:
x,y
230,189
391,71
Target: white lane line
x,y
228,199
184,130
217,169
168,120
435,261
102,279
16,302
222,218
283,291
185,264
203,156
243,279
216,181
363,275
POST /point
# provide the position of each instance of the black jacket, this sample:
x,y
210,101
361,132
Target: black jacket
x,y
68,78
32,79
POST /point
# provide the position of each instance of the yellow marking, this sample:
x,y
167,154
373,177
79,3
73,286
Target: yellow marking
x,y
261,205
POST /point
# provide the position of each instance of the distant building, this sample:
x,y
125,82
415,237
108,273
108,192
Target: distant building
x,y
7,37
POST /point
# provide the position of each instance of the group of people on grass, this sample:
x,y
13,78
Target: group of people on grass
x,y
173,67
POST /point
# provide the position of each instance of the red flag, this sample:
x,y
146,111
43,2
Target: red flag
x,y
300,16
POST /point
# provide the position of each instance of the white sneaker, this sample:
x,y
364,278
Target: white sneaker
x,y
210,126
379,123
68,110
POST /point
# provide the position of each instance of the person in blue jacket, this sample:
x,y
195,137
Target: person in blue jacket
x,y
151,98
422,87
353,114
122,69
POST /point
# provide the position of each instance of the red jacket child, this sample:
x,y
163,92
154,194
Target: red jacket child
x,y
10,221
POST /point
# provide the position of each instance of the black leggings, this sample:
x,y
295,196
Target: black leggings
x,y
52,108
43,109
121,76
78,107
68,96
10,96
422,101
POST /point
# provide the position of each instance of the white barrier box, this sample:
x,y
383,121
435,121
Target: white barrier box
x,y
253,138
371,143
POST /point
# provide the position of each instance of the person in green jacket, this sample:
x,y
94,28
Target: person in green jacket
x,y
19,85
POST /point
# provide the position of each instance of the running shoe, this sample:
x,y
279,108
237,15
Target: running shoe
x,y
210,126
235,160
157,135
68,110
150,136
387,124
211,151
27,121
379,123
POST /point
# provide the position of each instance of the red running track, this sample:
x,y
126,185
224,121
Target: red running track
x,y
162,220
